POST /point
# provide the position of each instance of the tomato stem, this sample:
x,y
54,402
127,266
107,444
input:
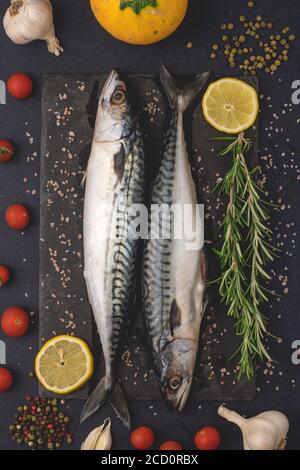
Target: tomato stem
x,y
4,150
137,5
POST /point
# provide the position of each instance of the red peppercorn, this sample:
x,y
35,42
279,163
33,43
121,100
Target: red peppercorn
x,y
28,398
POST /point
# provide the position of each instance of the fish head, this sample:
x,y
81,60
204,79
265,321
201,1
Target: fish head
x,y
176,364
113,121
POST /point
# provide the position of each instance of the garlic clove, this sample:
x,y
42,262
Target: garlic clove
x,y
266,431
99,438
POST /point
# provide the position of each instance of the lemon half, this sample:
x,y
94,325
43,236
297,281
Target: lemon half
x,y
230,105
64,364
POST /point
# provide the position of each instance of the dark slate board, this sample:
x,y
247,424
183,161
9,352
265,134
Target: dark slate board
x,y
68,114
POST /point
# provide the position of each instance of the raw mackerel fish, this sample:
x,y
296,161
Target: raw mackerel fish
x,y
174,271
114,182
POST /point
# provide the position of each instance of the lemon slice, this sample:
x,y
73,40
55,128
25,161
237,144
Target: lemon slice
x,y
230,105
64,364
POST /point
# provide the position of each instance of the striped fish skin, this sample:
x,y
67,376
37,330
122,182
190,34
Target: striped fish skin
x,y
114,182
174,276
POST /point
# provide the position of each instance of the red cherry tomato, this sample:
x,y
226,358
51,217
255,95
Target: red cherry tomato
x,y
171,445
207,438
6,379
17,216
4,275
142,438
19,86
6,151
15,322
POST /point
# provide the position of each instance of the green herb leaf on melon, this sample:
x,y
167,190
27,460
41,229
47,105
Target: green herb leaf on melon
x,y
137,5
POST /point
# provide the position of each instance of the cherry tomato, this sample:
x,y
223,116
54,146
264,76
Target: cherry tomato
x,y
15,322
171,445
142,438
20,86
6,151
17,216
4,275
6,379
207,438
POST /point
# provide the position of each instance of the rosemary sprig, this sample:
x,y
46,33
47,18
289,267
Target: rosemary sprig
x,y
243,258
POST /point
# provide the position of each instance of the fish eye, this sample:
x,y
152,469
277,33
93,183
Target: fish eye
x,y
118,97
175,383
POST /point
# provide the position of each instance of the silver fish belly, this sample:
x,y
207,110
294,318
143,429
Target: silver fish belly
x,y
174,275
114,183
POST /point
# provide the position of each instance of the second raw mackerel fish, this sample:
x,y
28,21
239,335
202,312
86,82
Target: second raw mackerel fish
x,y
174,274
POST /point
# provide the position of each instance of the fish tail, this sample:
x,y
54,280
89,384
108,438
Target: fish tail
x,y
181,97
102,393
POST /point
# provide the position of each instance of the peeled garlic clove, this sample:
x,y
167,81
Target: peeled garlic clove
x,y
99,438
266,431
28,20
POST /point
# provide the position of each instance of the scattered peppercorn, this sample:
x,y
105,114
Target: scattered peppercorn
x,y
40,423
255,39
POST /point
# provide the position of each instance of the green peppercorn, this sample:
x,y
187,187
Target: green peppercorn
x,y
223,26
66,419
215,47
267,69
292,37
273,68
240,51
268,56
285,30
242,39
19,441
230,26
283,41
253,72
257,25
12,427
285,52
263,24
269,25
242,19
224,38
285,58
250,4
277,63
286,46
213,55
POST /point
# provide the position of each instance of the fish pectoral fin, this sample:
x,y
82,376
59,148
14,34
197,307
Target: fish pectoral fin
x,y
118,403
175,316
95,400
83,179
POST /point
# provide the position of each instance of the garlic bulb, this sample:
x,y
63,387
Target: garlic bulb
x,y
266,431
99,438
28,20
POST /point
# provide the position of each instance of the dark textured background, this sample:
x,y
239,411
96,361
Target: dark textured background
x,y
88,49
